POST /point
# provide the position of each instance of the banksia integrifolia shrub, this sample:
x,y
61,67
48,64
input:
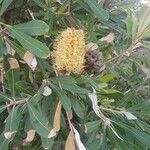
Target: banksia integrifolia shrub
x,y
94,58
69,51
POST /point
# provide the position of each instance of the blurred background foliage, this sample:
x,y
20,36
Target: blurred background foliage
x,y
120,31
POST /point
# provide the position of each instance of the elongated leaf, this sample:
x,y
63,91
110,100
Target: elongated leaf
x,y
38,96
138,135
74,88
57,117
88,80
79,143
2,108
70,143
3,143
47,143
144,19
98,10
13,77
132,24
39,121
20,50
34,46
146,44
91,126
13,120
63,78
106,78
5,5
40,3
78,108
4,97
63,97
34,27
96,144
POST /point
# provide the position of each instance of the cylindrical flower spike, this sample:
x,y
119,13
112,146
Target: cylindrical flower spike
x,y
69,51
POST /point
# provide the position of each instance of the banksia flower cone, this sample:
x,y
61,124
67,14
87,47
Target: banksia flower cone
x,y
94,58
69,51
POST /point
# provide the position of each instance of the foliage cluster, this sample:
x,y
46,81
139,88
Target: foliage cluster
x,y
105,108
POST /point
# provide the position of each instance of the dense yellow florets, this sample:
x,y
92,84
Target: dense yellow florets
x,y
69,51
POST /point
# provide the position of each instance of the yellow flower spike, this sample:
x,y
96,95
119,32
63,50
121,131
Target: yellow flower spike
x,y
69,51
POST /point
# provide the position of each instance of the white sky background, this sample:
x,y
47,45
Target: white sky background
x,y
147,2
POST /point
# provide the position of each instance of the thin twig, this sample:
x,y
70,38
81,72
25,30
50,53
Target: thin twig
x,y
17,102
31,14
121,55
69,7
69,121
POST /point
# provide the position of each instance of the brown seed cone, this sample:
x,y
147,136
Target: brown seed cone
x,y
94,60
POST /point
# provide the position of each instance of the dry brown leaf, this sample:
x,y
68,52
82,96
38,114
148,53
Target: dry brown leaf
x,y
70,144
30,60
57,117
56,122
13,63
70,115
30,137
47,91
9,49
52,133
108,38
1,70
78,141
91,46
8,135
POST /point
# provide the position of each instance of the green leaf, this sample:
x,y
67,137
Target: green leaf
x,y
119,144
5,5
146,44
2,49
47,143
63,78
132,24
112,93
144,19
13,120
3,143
43,64
63,97
40,3
106,78
2,108
92,126
38,96
34,27
38,121
129,96
88,80
96,144
4,97
34,46
72,87
20,50
78,108
98,10
24,87
138,135
75,89
13,77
